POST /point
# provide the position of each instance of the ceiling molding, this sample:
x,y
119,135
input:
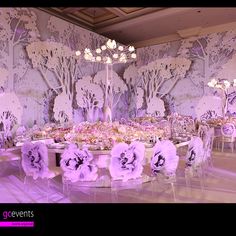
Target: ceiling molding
x,y
72,9
129,16
69,18
151,16
175,37
116,11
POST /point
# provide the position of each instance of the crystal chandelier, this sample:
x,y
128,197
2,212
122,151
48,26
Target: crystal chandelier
x,y
110,53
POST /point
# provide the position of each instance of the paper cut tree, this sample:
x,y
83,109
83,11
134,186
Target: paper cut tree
x,y
116,87
89,96
17,29
131,79
212,51
159,77
10,111
63,63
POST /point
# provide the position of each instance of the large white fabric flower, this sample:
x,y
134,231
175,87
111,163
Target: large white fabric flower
x,y
35,160
126,161
195,154
77,166
164,158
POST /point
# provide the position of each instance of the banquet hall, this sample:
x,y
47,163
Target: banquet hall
x,y
118,105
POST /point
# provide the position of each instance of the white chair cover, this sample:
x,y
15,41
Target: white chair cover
x,y
164,158
195,154
35,160
77,165
126,161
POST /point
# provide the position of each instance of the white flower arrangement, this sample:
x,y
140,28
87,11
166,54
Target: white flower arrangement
x,y
77,164
126,161
35,160
164,158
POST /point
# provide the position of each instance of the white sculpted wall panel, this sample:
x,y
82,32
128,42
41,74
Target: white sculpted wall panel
x,y
63,108
176,72
89,96
208,104
211,55
10,111
37,46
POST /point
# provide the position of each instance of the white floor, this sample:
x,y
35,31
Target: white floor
x,y
219,186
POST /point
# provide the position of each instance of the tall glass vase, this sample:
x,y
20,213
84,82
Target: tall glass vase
x,y
225,103
107,107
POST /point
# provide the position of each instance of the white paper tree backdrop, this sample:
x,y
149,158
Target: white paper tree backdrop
x,y
77,39
156,75
209,103
152,53
3,77
89,96
18,28
10,111
62,109
63,63
131,79
212,51
116,87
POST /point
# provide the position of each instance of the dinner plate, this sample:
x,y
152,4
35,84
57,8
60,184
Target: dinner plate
x,y
56,145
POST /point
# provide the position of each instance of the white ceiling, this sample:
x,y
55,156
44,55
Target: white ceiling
x,y
145,26
168,22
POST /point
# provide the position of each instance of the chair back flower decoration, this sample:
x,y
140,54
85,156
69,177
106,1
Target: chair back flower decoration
x,y
195,154
77,164
164,158
228,129
127,161
21,131
182,125
35,160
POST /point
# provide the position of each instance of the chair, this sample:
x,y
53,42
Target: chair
x,y
78,169
195,159
8,155
207,135
228,136
35,165
164,163
126,167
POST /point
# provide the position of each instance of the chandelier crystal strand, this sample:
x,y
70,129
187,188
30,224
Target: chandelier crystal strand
x,y
110,53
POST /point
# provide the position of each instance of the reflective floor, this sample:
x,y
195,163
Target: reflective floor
x,y
219,187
